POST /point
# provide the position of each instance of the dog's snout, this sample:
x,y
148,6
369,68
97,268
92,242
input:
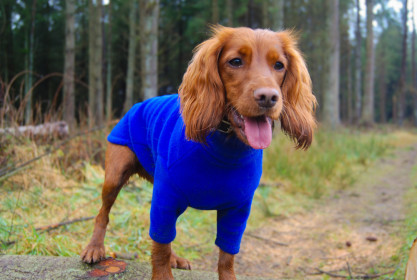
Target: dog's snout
x,y
266,97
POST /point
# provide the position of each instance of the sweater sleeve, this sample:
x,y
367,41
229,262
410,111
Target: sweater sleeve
x,y
231,223
167,205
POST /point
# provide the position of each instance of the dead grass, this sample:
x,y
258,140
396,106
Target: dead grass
x,y
67,184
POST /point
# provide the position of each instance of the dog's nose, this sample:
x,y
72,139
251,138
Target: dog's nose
x,y
266,97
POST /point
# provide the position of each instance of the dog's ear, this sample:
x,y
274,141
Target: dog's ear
x,y
297,118
202,94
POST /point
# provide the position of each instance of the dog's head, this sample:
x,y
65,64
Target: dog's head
x,y
251,77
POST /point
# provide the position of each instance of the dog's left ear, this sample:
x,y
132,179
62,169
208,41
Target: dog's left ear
x,y
297,118
202,94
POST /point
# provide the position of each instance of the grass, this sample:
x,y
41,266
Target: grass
x,y
409,228
67,184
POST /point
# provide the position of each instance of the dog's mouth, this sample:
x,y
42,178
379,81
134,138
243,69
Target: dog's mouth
x,y
257,130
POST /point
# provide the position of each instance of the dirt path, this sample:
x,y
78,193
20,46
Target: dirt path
x,y
356,228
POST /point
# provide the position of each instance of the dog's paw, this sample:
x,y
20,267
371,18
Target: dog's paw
x,y
93,253
181,263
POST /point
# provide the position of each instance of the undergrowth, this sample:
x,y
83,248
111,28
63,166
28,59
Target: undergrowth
x,y
66,185
409,228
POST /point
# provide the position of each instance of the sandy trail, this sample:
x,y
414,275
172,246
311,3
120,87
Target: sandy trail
x,y
354,230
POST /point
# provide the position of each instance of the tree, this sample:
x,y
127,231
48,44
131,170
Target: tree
x,y
331,114
69,65
358,65
109,65
214,11
131,59
414,65
367,117
29,75
149,18
273,14
229,12
402,89
95,58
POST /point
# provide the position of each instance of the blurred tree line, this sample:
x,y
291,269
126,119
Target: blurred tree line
x,y
89,61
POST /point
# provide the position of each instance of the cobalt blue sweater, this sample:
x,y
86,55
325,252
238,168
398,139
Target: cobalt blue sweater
x,y
221,175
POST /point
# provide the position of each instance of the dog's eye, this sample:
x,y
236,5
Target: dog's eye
x,y
278,65
236,62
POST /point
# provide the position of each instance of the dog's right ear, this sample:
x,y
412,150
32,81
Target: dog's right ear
x,y
297,119
202,94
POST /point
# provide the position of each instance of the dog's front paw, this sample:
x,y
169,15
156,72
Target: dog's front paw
x,y
93,253
181,263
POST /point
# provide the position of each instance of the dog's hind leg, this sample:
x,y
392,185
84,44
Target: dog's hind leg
x,y
120,164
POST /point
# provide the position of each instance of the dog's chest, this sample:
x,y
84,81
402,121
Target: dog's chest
x,y
209,181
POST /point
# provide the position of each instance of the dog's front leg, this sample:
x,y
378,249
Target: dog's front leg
x,y
225,266
161,264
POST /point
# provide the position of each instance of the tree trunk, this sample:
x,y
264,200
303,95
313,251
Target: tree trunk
x,y
414,66
358,66
95,91
109,66
382,91
149,18
368,97
214,11
7,43
91,60
249,14
131,57
331,114
69,64
229,12
349,99
273,14
401,90
99,65
28,108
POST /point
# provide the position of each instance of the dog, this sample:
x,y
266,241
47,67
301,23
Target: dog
x,y
203,147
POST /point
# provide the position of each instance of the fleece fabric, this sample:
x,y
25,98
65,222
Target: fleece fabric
x,y
221,175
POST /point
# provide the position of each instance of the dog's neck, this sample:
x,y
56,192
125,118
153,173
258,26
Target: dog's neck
x,y
225,126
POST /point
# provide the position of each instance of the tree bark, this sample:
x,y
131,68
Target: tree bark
x,y
331,114
29,97
149,18
401,90
214,11
99,65
358,65
229,12
69,64
414,66
91,52
382,88
368,97
349,99
273,14
109,66
63,268
95,53
131,57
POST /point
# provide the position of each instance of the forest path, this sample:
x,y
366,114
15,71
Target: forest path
x,y
356,229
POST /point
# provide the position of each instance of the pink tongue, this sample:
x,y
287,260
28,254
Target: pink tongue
x,y
258,132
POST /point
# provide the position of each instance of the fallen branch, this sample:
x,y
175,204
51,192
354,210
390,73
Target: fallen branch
x,y
54,226
266,239
59,129
366,276
7,172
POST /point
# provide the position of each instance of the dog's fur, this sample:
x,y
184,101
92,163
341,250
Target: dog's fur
x,y
216,87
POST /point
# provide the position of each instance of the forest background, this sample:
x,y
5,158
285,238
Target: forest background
x,y
72,59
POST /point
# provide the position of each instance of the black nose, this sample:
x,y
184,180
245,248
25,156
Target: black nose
x,y
266,97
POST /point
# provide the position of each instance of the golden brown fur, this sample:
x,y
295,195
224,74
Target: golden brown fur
x,y
213,89
210,88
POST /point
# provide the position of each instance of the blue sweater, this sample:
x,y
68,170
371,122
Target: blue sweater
x,y
221,175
